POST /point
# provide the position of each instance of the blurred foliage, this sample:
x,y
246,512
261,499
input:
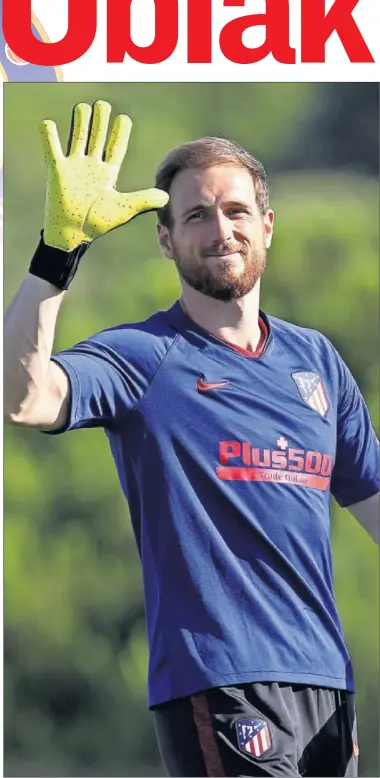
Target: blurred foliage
x,y
75,648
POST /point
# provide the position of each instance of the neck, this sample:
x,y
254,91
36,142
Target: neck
x,y
236,321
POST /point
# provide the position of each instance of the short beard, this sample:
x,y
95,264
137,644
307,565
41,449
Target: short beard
x,y
224,285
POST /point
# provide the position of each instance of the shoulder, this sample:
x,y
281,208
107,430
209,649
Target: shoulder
x,y
132,351
297,337
147,339
309,350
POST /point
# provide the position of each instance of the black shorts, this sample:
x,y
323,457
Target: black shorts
x,y
259,729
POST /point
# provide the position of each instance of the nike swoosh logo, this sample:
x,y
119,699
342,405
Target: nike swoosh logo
x,y
203,386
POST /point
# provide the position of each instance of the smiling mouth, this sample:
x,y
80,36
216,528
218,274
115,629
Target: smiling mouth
x,y
229,256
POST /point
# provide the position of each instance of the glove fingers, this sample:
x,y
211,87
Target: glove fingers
x,y
118,141
80,122
99,128
50,141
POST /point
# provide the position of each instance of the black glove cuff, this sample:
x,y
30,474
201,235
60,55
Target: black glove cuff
x,y
56,265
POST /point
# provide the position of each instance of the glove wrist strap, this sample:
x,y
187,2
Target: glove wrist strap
x,y
56,265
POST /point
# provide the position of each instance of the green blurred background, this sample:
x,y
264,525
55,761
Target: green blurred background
x,y
75,648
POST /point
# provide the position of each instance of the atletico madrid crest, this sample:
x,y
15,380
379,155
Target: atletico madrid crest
x,y
253,736
312,391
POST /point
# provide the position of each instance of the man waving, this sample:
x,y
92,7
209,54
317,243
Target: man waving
x,y
229,429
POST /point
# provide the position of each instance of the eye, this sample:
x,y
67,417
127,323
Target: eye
x,y
238,210
196,216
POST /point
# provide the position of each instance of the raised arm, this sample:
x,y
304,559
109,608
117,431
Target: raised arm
x,y
81,204
36,390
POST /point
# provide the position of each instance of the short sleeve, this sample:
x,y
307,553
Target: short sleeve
x,y
109,373
356,472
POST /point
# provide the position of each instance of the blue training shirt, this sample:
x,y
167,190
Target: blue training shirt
x,y
227,463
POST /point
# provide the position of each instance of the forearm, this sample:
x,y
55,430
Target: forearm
x,y
29,327
367,513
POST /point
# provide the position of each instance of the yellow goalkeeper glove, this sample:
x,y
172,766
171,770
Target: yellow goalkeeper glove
x,y
81,200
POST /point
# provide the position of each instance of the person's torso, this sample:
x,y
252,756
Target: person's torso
x,y
226,465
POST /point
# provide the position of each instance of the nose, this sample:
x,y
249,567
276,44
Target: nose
x,y
222,227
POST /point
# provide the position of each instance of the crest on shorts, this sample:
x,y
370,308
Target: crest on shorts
x,y
312,391
253,736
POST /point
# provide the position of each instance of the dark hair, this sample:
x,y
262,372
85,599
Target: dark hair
x,y
204,153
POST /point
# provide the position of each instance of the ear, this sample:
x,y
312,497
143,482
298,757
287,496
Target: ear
x,y
268,227
164,240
